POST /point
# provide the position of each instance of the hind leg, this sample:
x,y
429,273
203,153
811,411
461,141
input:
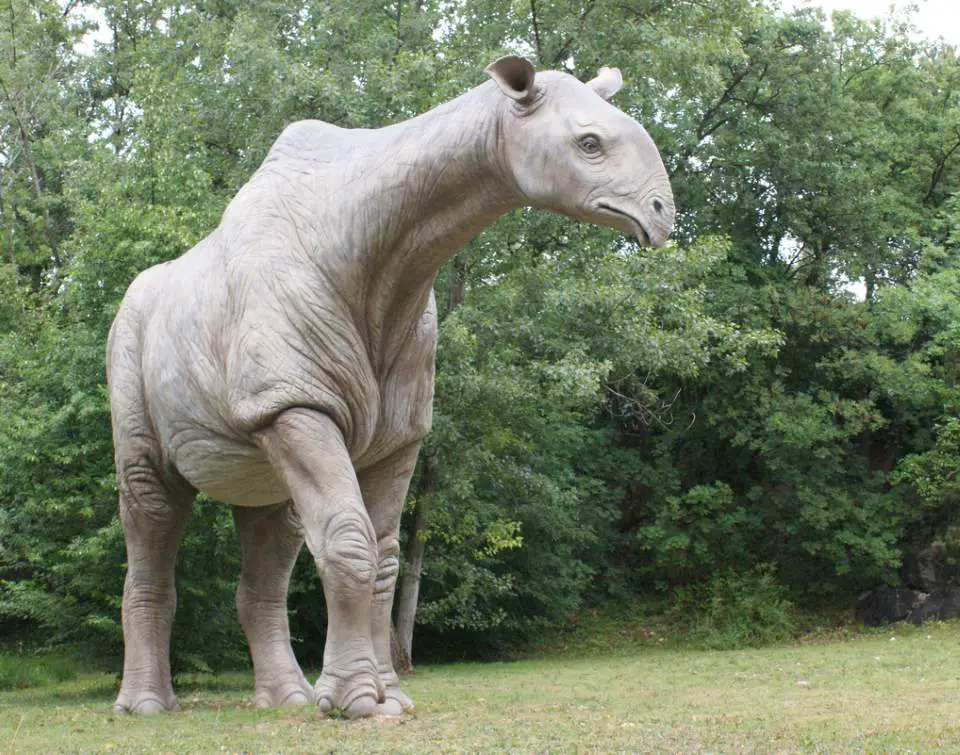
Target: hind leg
x,y
154,503
270,539
153,511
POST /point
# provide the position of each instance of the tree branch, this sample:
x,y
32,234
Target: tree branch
x,y
13,36
565,47
939,169
70,6
34,174
706,128
399,45
10,252
702,130
536,29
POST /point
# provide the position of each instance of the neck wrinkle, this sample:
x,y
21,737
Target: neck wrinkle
x,y
454,183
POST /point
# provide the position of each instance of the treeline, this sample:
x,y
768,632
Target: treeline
x,y
769,404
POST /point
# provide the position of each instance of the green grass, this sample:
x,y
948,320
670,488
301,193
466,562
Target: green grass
x,y
897,690
31,670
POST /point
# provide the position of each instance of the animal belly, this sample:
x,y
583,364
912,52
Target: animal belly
x,y
229,471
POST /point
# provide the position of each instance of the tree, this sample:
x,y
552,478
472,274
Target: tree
x,y
609,422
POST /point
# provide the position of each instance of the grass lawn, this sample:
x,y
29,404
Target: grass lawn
x,y
895,691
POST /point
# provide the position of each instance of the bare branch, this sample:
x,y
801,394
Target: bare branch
x,y
661,415
536,29
34,174
13,35
70,6
939,170
565,47
399,45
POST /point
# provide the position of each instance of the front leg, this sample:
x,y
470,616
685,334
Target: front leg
x,y
308,452
384,487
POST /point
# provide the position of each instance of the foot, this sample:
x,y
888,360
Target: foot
x,y
288,692
394,696
145,702
354,690
398,699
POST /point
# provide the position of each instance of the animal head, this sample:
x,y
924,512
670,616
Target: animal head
x,y
569,150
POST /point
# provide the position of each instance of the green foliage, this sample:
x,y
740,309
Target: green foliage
x,y
58,562
26,670
610,422
735,610
934,473
934,476
207,569
527,368
695,532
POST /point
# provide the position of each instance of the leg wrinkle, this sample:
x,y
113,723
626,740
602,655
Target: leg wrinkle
x,y
270,544
350,551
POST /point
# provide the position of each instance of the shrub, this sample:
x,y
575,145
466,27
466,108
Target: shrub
x,y
22,671
735,610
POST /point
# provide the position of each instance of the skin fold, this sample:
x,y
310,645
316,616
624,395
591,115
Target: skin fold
x,y
285,364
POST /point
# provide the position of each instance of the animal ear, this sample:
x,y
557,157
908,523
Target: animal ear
x,y
607,83
514,76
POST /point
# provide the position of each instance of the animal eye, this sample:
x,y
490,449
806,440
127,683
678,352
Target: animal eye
x,y
590,145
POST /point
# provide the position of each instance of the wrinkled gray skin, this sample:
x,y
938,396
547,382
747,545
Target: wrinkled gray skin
x,y
284,365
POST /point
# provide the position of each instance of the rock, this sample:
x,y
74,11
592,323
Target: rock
x,y
919,570
929,569
937,606
886,605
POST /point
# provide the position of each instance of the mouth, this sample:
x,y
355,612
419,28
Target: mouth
x,y
639,230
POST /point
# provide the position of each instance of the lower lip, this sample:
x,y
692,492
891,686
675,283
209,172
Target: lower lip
x,y
645,240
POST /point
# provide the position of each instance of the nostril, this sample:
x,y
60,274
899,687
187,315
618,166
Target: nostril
x,y
658,206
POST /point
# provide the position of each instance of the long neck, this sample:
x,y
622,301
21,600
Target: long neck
x,y
455,184
439,182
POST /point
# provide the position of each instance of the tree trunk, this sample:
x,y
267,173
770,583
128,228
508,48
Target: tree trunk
x,y
408,590
401,658
458,286
409,593
35,179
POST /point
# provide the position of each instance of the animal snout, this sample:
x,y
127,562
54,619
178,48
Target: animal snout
x,y
661,209
661,213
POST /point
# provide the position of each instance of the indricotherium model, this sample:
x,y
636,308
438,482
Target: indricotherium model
x,y
284,365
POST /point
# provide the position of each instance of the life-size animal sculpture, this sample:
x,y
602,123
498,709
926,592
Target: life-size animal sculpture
x,y
285,364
